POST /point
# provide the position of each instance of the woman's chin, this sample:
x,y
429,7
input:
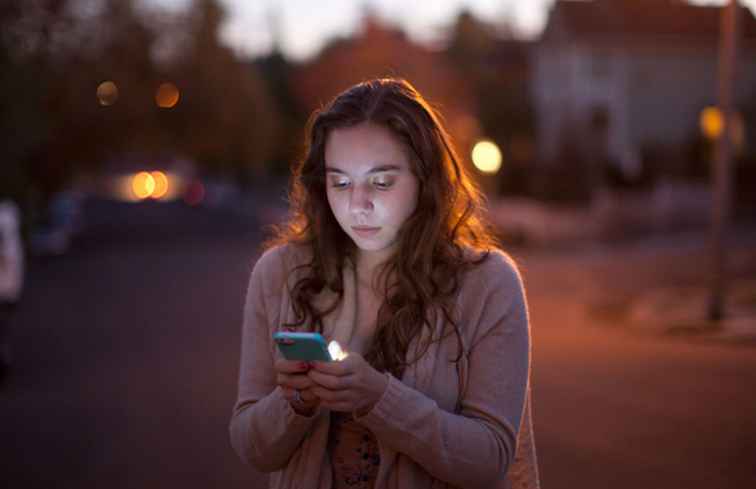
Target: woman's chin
x,y
369,247
373,247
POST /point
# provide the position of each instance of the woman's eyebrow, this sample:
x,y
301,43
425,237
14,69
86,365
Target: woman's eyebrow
x,y
375,169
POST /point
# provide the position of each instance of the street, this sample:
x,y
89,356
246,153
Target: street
x,y
126,354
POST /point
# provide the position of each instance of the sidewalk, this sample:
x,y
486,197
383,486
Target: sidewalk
x,y
660,286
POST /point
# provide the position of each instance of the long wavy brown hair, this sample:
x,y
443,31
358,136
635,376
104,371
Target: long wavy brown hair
x,y
444,236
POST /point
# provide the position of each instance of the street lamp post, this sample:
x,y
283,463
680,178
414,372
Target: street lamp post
x,y
722,171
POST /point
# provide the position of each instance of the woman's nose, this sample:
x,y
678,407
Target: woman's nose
x,y
360,200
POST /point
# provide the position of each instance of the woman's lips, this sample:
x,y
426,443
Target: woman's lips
x,y
365,231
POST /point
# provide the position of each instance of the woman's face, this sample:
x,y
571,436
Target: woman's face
x,y
370,187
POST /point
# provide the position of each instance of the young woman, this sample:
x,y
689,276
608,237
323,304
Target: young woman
x,y
386,253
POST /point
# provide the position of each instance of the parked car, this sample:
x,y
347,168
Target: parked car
x,y
63,219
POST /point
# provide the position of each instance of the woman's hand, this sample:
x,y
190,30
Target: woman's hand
x,y
292,377
350,385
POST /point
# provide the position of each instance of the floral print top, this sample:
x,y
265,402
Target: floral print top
x,y
354,453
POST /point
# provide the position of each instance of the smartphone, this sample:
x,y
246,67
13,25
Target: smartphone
x,y
307,347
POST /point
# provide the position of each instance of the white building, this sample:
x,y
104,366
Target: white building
x,y
620,75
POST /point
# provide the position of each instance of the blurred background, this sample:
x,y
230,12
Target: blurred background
x,y
145,145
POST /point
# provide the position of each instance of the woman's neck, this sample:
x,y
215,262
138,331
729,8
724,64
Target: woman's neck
x,y
369,265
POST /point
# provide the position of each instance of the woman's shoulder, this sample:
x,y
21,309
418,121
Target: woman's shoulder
x,y
492,261
281,259
492,289
492,268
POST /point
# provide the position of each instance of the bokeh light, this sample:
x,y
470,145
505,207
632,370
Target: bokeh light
x,y
107,93
167,96
152,184
486,157
711,122
160,189
142,185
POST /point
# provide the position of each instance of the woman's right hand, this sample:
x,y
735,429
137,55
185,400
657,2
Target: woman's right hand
x,y
292,377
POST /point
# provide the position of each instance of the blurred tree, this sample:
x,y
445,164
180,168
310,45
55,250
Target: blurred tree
x,y
497,70
53,127
22,122
26,30
123,55
225,119
277,72
471,37
57,127
380,50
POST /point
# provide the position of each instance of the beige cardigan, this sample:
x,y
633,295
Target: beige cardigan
x,y
424,441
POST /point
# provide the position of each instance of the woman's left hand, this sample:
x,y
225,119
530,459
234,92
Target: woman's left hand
x,y
349,385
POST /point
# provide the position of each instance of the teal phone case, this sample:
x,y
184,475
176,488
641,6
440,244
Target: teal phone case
x,y
307,347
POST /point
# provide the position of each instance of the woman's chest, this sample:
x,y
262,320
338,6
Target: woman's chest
x,y
367,305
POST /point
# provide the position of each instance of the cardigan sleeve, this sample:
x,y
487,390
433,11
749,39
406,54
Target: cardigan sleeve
x,y
264,429
476,447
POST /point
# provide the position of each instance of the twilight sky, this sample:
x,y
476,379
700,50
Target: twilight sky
x,y
304,25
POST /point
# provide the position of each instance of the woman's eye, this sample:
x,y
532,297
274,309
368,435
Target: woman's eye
x,y
383,183
339,183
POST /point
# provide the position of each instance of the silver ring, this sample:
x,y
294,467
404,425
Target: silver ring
x,y
297,396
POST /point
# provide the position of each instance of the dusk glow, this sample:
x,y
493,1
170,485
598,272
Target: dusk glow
x,y
302,27
516,224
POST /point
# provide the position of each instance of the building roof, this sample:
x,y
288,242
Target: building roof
x,y
640,18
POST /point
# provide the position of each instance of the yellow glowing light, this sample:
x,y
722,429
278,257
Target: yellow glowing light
x,y
167,96
143,185
486,156
107,93
711,122
336,352
161,185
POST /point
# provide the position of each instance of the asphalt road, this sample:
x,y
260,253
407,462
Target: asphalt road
x,y
126,357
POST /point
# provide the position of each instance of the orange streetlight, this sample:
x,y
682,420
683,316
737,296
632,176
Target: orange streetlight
x,y
142,185
711,122
161,185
